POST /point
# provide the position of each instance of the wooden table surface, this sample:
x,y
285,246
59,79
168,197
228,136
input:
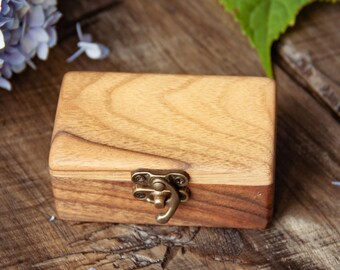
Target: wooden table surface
x,y
192,37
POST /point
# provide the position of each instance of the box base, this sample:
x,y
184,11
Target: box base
x,y
209,205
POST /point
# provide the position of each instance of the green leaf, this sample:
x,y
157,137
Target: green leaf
x,y
263,21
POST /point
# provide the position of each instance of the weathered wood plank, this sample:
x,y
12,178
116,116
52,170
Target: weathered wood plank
x,y
309,53
170,37
78,10
84,12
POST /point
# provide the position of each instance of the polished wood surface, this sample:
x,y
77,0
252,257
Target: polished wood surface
x,y
191,37
208,206
218,129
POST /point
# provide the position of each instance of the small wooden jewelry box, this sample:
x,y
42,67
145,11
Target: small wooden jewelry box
x,y
199,148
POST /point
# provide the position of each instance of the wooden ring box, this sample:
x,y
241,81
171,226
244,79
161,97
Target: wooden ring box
x,y
218,130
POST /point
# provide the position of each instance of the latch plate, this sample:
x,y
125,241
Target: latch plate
x,y
161,187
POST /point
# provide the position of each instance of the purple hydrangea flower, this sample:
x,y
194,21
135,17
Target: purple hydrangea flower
x,y
27,28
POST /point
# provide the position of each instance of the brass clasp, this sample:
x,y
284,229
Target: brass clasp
x,y
161,188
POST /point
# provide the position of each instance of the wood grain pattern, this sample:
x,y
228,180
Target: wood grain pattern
x,y
209,205
310,68
193,37
218,129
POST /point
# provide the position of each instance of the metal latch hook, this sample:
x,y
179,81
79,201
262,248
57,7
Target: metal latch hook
x,y
161,188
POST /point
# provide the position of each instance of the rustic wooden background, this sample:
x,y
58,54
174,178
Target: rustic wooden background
x,y
196,37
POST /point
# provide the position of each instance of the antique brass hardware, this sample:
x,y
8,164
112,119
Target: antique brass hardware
x,y
161,188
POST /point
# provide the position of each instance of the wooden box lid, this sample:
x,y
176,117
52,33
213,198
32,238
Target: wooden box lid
x,y
220,130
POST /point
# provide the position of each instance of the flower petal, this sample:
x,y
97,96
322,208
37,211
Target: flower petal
x,y
36,16
19,4
15,37
2,40
6,22
53,37
104,51
5,84
49,10
28,45
75,55
53,19
6,71
5,7
38,34
42,51
19,68
14,57
87,38
94,50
